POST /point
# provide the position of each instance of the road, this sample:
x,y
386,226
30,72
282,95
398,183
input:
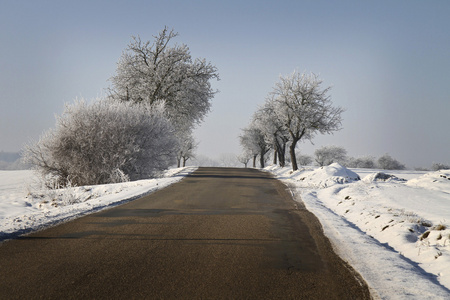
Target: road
x,y
220,233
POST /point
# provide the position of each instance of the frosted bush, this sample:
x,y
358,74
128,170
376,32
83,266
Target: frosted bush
x,y
104,142
327,155
367,162
386,162
439,166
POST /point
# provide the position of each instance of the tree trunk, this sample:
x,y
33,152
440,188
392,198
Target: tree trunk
x,y
275,156
184,162
282,154
178,162
261,160
293,157
282,162
254,161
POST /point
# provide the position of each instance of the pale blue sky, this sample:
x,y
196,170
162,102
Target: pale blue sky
x,y
388,63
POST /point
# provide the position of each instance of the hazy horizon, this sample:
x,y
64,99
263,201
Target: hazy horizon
x,y
388,63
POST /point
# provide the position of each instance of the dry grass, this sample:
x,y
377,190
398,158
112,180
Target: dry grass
x,y
440,227
425,235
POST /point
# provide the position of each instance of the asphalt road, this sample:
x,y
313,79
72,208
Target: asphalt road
x,y
218,234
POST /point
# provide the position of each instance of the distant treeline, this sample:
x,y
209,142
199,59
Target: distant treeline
x,y
9,156
11,161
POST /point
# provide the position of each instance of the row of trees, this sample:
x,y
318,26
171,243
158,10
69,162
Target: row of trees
x,y
327,155
297,109
330,154
158,95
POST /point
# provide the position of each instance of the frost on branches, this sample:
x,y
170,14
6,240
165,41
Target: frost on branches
x,y
305,109
327,155
276,134
185,149
297,109
104,142
149,72
158,95
253,140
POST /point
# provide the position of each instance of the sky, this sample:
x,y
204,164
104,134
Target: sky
x,y
388,63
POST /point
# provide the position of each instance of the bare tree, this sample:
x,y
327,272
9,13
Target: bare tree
x,y
304,109
157,71
273,129
228,160
327,155
244,158
185,149
253,140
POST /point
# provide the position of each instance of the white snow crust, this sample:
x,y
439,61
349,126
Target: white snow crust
x,y
394,232
26,207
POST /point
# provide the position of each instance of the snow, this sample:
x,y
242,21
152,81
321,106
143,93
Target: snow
x,y
392,229
25,206
327,176
380,176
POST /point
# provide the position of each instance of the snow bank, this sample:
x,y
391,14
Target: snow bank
x,y
318,177
393,232
438,181
25,207
380,176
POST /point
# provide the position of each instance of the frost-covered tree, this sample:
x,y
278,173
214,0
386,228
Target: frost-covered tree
x,y
305,109
367,162
276,134
253,141
327,155
185,149
244,158
104,142
386,162
204,161
439,166
154,71
248,145
304,159
228,160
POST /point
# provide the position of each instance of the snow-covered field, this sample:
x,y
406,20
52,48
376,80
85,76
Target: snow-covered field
x,y
395,231
25,207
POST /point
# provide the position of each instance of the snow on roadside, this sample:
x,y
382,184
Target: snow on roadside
x,y
394,232
25,208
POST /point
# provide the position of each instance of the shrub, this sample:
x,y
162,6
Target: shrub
x,y
104,142
304,160
367,162
439,166
386,162
327,155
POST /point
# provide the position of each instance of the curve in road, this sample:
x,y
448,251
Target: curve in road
x,y
220,233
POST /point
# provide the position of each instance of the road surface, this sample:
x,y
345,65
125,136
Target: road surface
x,y
220,233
